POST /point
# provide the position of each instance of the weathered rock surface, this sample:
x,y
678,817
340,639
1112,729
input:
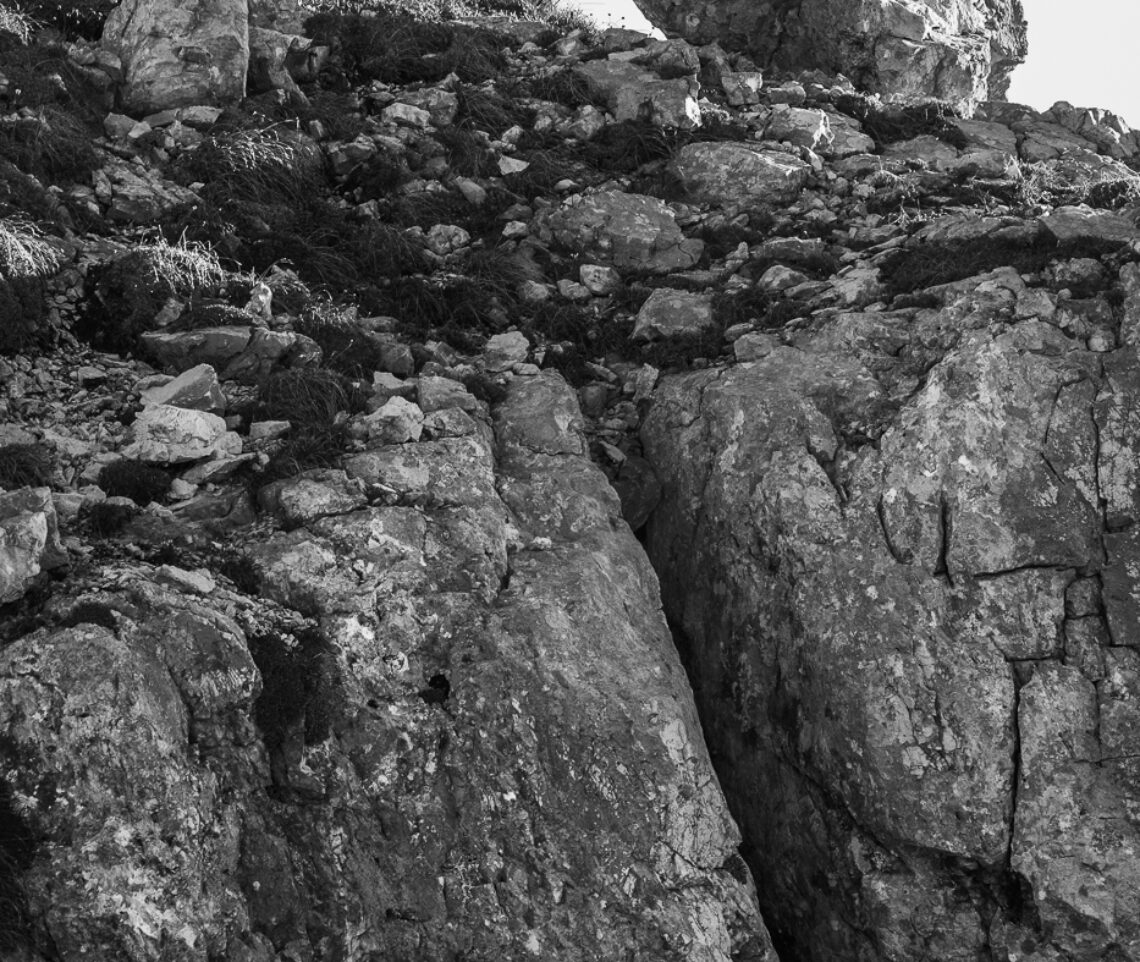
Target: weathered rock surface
x,y
742,174
29,540
951,49
889,589
459,728
627,230
177,54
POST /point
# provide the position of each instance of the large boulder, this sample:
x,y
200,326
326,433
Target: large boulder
x,y
901,555
451,724
955,50
179,53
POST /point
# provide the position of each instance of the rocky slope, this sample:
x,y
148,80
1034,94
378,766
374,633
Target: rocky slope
x,y
329,418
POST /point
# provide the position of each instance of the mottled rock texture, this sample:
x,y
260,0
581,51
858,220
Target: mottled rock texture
x,y
900,552
453,725
958,50
180,52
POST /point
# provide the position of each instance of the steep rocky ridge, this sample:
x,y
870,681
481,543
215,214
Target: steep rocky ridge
x,y
323,638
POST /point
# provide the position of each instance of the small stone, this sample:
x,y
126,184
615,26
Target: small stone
x,y
437,393
752,347
268,430
397,422
406,115
503,351
598,279
445,239
515,230
573,291
512,165
672,313
198,581
196,389
532,292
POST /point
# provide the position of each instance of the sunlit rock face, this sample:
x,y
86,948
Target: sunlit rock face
x,y
954,50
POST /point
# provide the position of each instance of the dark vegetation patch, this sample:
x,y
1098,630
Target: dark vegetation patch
x,y
51,145
312,400
142,483
125,295
75,19
920,266
17,850
395,47
562,86
890,123
484,108
23,314
24,465
108,518
347,347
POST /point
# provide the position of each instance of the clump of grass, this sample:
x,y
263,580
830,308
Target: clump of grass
x,y
467,153
106,518
561,86
142,483
393,46
489,110
266,165
16,23
25,260
1113,194
346,346
303,396
25,465
23,251
133,287
921,266
51,145
75,19
890,123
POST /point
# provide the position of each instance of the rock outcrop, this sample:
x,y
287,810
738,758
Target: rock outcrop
x,y
900,551
953,50
452,725
178,54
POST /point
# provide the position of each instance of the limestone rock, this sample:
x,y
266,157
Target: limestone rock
x,y
178,54
878,628
29,540
164,434
742,174
471,696
669,314
628,230
183,350
953,50
196,389
397,422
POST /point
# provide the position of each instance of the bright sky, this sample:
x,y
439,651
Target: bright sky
x,y
1087,54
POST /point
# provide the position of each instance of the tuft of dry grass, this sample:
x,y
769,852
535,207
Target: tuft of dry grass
x,y
16,23
23,251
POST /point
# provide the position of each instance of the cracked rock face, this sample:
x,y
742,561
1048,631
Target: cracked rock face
x,y
957,50
901,554
451,725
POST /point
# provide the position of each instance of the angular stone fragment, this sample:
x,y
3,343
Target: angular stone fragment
x,y
196,389
171,435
